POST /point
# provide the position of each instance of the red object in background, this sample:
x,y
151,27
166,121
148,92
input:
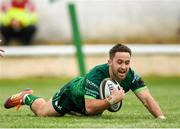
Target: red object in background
x,y
23,4
17,4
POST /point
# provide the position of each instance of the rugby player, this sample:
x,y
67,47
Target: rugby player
x,y
81,94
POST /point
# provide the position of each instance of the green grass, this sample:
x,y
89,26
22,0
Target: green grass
x,y
132,114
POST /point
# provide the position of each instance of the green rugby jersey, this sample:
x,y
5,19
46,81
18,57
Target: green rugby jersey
x,y
88,86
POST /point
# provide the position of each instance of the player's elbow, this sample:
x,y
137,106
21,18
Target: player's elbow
x,y
91,107
89,110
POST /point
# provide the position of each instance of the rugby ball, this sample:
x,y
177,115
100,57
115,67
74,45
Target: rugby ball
x,y
106,87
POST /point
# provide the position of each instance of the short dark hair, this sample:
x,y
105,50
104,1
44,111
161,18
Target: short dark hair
x,y
118,48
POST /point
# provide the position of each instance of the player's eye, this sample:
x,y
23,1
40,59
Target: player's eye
x,y
119,62
127,62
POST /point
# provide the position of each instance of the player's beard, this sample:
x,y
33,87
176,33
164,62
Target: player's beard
x,y
117,75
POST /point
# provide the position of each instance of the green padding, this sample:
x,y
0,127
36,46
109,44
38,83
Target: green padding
x,y
88,97
140,89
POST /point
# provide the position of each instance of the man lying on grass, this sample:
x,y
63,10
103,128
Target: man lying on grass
x,y
81,95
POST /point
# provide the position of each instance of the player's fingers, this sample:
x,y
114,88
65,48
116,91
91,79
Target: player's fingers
x,y
114,90
121,90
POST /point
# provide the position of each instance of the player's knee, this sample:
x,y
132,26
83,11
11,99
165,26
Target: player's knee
x,y
41,114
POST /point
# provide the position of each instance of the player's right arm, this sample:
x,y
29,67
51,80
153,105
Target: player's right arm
x,y
95,106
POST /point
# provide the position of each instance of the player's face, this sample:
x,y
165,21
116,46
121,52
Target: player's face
x,y
119,65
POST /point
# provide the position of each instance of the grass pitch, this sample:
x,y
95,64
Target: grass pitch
x,y
132,114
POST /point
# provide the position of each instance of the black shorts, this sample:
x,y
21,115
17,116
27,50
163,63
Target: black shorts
x,y
63,103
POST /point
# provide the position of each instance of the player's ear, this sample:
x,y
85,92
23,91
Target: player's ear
x,y
109,62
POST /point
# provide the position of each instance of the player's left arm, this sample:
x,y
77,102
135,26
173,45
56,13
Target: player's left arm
x,y
149,102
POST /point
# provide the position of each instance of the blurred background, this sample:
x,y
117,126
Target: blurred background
x,y
107,21
150,27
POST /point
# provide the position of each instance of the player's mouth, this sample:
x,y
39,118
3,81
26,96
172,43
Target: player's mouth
x,y
122,74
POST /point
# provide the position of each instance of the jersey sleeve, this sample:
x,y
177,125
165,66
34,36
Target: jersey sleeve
x,y
91,89
92,82
137,83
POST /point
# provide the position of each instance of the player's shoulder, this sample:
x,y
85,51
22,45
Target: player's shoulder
x,y
102,66
131,72
132,75
98,73
135,80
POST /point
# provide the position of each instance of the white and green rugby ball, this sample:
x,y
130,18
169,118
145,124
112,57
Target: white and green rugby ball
x,y
106,87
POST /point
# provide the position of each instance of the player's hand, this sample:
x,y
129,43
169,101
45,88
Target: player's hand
x,y
116,96
162,117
